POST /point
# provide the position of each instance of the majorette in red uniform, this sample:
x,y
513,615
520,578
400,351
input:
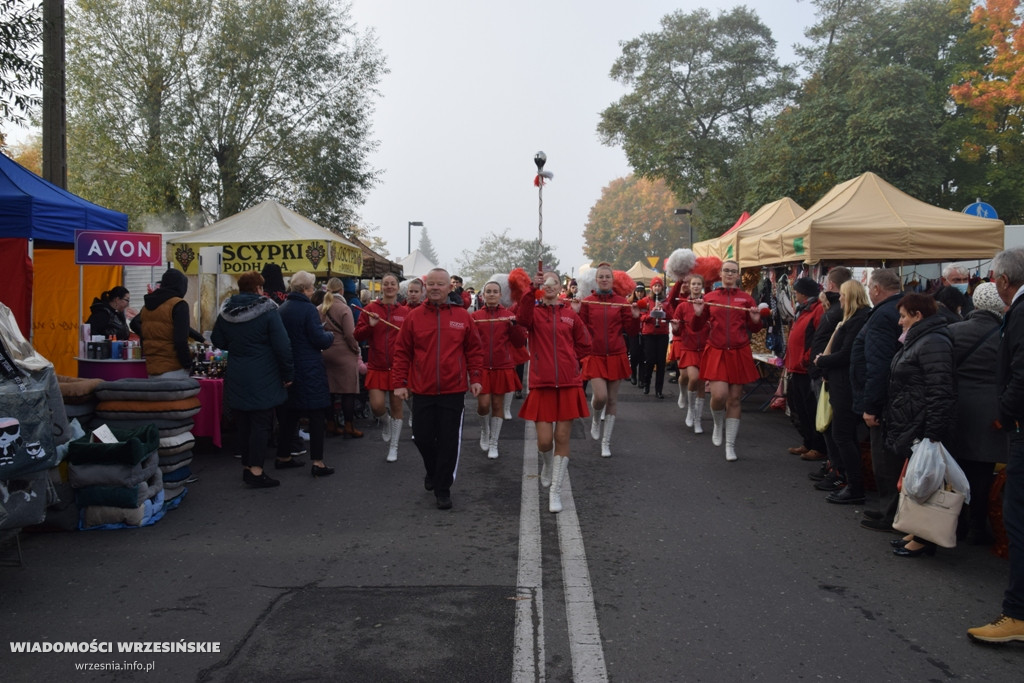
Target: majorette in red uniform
x,y
727,362
689,344
499,335
608,316
558,340
379,326
437,350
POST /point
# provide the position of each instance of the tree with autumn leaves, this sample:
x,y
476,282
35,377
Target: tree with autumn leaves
x,y
633,220
992,96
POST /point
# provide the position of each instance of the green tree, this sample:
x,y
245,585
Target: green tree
x,y
632,220
498,253
211,106
876,100
426,247
699,90
21,62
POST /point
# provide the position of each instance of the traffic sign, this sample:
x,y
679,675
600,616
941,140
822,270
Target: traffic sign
x,y
980,208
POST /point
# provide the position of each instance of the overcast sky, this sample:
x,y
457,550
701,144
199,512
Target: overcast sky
x,y
477,88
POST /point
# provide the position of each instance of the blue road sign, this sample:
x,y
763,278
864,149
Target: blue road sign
x,y
981,209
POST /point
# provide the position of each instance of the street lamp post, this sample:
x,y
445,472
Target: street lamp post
x,y
689,222
418,224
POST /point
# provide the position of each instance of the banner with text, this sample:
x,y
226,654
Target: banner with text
x,y
315,256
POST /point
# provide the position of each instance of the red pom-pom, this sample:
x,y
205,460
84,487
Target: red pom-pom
x,y
622,284
710,268
519,283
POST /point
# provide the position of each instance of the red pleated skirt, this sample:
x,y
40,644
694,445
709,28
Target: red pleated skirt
x,y
735,366
378,379
554,405
500,381
607,367
689,358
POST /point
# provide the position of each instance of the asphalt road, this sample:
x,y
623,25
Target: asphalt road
x,y
668,564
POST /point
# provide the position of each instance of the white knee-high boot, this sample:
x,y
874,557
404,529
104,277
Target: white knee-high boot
x,y
595,422
547,467
691,396
606,438
718,417
508,405
732,428
485,431
492,447
684,400
698,413
396,433
385,427
555,492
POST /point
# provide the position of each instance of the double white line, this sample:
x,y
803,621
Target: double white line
x,y
528,660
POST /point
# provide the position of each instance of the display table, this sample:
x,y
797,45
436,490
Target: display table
x,y
768,366
110,369
207,420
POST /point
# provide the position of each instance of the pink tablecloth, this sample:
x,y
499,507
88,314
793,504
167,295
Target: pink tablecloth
x,y
207,421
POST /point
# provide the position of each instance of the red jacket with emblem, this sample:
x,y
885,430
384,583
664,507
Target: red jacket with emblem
x,y
498,338
437,349
607,324
558,340
729,328
689,338
381,337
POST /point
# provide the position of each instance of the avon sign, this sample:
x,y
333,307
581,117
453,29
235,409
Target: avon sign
x,y
99,247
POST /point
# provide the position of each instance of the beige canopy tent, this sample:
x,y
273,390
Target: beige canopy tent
x,y
641,272
769,217
416,264
866,220
268,233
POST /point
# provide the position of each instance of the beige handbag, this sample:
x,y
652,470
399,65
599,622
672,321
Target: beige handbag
x,y
934,520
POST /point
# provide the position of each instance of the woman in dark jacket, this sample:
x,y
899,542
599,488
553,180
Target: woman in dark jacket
x,y
976,443
259,369
835,367
922,390
309,395
106,314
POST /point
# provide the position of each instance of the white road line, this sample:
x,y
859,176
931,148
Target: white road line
x,y
588,664
528,648
585,649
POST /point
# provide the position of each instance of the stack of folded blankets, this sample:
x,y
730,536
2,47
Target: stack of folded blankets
x,y
169,405
79,396
117,484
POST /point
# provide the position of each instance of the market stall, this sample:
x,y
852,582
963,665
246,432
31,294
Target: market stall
x,y
867,221
766,219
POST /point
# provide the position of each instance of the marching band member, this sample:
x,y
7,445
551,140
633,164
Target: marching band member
x,y
691,346
498,332
731,315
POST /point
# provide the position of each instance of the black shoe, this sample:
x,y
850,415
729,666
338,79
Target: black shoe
x,y
874,514
428,483
647,389
820,473
287,464
444,503
904,551
519,394
658,394
898,542
321,471
879,525
830,483
845,496
259,481
632,380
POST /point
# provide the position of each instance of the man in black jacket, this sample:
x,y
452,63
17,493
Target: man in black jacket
x,y
870,357
1008,275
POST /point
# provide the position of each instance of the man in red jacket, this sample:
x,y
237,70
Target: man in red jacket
x,y
437,349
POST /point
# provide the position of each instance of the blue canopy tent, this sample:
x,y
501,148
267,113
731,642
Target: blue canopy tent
x,y
37,232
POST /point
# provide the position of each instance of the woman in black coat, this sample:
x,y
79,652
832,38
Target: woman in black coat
x,y
106,315
309,394
922,390
835,367
976,443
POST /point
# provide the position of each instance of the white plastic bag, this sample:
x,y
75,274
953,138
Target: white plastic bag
x,y
929,468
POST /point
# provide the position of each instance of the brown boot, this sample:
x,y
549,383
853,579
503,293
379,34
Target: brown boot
x,y
351,432
332,428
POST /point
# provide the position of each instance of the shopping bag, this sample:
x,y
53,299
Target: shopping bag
x,y
823,417
933,520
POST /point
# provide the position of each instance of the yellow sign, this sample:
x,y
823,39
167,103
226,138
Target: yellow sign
x,y
315,256
653,260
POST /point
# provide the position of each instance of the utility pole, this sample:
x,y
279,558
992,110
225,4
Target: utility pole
x,y
55,149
